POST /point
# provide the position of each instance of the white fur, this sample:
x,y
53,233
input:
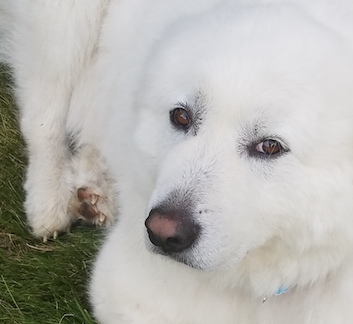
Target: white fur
x,y
255,70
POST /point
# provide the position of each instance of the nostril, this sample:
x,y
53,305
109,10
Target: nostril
x,y
173,240
155,239
174,244
177,244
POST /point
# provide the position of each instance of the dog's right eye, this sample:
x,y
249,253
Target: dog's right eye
x,y
180,118
268,148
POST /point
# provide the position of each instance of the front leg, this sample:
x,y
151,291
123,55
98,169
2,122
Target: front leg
x,y
53,42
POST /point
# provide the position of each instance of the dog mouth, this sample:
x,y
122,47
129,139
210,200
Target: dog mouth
x,y
186,257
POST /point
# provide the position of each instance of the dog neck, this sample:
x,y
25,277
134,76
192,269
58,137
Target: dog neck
x,y
275,269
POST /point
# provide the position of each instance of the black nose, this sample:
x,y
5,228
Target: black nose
x,y
172,230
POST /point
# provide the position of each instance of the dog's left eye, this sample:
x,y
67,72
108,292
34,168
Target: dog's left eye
x,y
180,118
269,147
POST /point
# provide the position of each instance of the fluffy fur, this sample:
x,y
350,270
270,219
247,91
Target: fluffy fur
x,y
110,73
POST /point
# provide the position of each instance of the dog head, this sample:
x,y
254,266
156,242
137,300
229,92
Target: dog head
x,y
244,120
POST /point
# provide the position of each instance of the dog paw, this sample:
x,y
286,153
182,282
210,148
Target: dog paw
x,y
51,226
46,212
49,223
91,208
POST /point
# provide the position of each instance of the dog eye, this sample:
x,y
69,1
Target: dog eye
x,y
180,118
269,147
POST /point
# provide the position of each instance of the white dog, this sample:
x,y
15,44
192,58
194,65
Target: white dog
x,y
228,128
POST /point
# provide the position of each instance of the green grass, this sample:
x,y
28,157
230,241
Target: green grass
x,y
39,283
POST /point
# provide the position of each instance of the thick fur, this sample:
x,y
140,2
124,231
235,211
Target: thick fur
x,y
247,71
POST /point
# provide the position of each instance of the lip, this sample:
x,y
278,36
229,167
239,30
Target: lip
x,y
180,257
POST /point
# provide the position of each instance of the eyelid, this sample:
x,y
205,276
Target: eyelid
x,y
272,138
183,104
280,141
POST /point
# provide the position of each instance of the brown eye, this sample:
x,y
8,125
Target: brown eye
x,y
180,118
269,147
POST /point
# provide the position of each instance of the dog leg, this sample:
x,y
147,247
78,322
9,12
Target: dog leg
x,y
52,43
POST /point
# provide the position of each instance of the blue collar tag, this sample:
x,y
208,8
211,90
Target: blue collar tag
x,y
281,290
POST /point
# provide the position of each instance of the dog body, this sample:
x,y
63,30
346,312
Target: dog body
x,y
227,126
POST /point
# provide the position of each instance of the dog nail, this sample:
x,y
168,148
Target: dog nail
x,y
94,199
82,194
102,218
